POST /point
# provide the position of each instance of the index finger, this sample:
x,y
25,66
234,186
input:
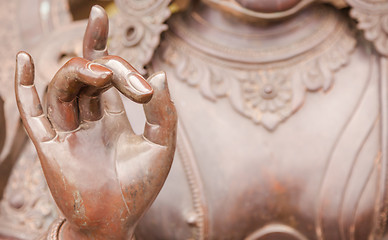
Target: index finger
x,y
96,34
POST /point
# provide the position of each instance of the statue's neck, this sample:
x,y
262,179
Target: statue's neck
x,y
229,37
240,24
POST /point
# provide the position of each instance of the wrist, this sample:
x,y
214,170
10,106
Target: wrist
x,y
61,229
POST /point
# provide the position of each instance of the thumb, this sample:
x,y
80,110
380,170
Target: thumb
x,y
160,113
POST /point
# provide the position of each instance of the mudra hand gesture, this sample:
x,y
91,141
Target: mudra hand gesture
x,y
102,176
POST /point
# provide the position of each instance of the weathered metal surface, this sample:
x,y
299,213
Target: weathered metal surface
x,y
283,122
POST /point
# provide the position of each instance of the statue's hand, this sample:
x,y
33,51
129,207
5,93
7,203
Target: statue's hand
x,y
102,176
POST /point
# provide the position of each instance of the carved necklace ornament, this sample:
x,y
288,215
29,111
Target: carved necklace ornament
x,y
263,83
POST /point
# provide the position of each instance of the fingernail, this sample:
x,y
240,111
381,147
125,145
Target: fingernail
x,y
139,83
100,70
97,9
158,80
97,12
25,68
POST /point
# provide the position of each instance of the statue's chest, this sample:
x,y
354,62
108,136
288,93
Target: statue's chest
x,y
315,174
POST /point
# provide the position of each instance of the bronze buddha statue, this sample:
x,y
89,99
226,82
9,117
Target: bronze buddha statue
x,y
282,114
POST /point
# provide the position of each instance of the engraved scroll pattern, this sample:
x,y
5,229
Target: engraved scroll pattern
x,y
372,17
135,30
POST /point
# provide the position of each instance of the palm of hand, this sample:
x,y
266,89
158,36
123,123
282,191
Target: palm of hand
x,y
102,176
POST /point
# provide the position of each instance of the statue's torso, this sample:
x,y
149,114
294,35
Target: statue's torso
x,y
303,168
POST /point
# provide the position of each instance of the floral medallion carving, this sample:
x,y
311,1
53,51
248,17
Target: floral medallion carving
x,y
372,17
135,30
267,96
266,91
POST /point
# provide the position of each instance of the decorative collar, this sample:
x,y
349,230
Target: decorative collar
x,y
263,71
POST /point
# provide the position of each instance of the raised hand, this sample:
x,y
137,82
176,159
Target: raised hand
x,y
102,176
